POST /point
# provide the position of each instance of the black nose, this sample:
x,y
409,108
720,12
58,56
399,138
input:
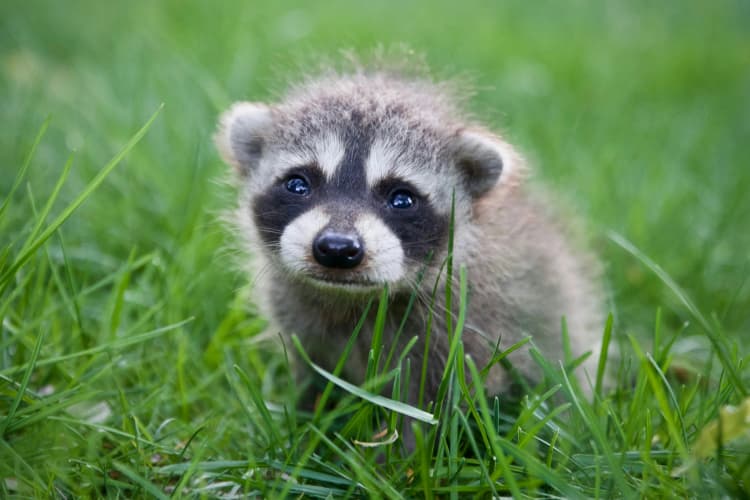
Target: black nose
x,y
337,250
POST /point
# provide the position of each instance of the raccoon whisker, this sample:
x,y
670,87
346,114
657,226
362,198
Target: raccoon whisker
x,y
258,275
421,242
270,230
422,293
437,307
268,212
423,264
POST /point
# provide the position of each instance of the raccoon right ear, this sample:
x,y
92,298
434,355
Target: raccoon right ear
x,y
482,158
240,137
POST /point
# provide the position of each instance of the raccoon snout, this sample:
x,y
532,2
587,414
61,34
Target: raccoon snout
x,y
336,250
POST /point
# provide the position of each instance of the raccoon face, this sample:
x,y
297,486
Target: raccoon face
x,y
342,200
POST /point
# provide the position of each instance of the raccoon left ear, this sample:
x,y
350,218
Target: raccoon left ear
x,y
481,158
241,134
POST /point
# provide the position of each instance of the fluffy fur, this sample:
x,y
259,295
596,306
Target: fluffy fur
x,y
355,138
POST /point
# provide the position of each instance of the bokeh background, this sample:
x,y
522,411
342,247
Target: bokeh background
x,y
636,113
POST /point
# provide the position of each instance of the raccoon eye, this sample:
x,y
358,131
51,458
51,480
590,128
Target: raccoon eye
x,y
297,184
401,199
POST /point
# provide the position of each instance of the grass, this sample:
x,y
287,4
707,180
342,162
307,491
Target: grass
x,y
131,357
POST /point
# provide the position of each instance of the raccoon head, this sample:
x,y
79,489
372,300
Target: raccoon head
x,y
349,181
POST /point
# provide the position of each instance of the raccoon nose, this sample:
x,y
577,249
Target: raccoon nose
x,y
338,250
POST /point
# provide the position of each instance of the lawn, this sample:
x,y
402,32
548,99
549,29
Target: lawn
x,y
133,362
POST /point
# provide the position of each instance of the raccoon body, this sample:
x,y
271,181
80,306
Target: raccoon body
x,y
348,184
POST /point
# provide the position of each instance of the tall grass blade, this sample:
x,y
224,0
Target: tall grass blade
x,y
149,487
24,383
601,367
25,167
25,255
711,333
42,218
397,406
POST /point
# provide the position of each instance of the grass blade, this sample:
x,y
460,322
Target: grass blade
x,y
602,366
24,383
41,218
25,255
150,488
25,167
397,406
111,346
711,333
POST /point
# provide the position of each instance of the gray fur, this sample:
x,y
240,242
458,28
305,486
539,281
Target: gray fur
x,y
524,274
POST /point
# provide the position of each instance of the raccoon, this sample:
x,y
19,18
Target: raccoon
x,y
356,181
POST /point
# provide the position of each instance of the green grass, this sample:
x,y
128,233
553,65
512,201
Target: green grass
x,y
131,360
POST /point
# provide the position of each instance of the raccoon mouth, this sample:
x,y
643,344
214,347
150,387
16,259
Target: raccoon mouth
x,y
342,281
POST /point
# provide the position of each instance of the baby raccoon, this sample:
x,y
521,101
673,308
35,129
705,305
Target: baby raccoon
x,y
347,185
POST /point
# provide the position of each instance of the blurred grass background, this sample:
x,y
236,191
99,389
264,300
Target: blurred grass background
x,y
638,113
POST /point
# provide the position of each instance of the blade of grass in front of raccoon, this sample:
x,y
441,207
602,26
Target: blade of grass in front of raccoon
x,y
396,392
382,401
443,386
424,460
428,337
407,312
469,399
456,356
401,386
449,390
529,408
448,266
376,345
475,448
449,270
500,357
493,437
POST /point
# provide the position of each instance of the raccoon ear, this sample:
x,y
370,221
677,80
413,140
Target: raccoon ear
x,y
240,137
481,158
